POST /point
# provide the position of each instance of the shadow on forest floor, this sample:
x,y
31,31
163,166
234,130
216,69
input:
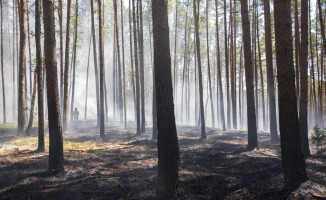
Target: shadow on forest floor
x,y
124,166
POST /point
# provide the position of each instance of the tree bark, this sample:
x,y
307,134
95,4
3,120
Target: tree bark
x,y
294,168
251,112
123,67
66,70
61,52
2,72
270,72
202,116
22,67
227,68
39,70
101,50
297,47
168,149
86,98
55,129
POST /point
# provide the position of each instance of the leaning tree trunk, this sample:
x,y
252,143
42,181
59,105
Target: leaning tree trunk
x,y
31,113
101,51
55,129
2,71
294,167
251,112
270,72
66,70
202,116
39,70
303,106
167,143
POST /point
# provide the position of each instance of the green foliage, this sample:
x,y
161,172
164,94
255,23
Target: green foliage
x,y
318,136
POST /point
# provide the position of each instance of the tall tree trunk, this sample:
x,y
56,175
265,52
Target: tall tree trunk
x,y
227,68
175,70
303,112
14,59
322,25
251,112
142,72
66,70
234,115
132,62
2,71
101,51
86,98
95,65
219,71
123,67
61,52
136,67
202,116
294,168
74,64
270,72
208,67
167,143
297,47
39,70
29,53
55,129
22,67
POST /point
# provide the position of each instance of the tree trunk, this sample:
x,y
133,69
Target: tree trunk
x,y
209,68
219,72
22,67
101,50
322,26
132,62
89,53
270,72
31,113
303,112
142,72
74,64
294,168
13,59
227,68
39,70
66,70
202,116
175,70
251,112
95,65
123,67
2,71
168,148
61,51
297,47
136,67
55,129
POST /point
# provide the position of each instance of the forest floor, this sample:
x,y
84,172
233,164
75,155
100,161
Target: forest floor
x,y
124,166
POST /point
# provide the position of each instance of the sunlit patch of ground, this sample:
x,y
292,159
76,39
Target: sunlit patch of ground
x,y
124,166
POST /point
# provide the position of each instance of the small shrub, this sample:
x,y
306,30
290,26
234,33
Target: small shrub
x,y
318,137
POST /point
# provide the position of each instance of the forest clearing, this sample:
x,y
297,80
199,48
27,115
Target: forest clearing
x,y
124,167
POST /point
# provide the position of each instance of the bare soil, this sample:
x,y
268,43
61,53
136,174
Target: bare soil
x,y
124,166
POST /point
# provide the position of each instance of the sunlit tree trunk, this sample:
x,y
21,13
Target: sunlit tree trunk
x,y
55,129
101,51
66,70
2,72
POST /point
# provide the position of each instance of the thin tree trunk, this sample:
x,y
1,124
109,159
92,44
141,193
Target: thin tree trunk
x,y
322,25
31,113
196,16
219,71
209,68
132,62
66,70
61,52
136,67
297,47
123,67
270,72
251,112
39,70
294,168
74,64
227,68
2,72
86,98
14,59
95,65
101,51
142,72
22,67
55,128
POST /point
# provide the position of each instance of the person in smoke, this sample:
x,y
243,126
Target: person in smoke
x,y
76,114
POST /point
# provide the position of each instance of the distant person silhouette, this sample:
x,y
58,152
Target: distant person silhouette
x,y
76,114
